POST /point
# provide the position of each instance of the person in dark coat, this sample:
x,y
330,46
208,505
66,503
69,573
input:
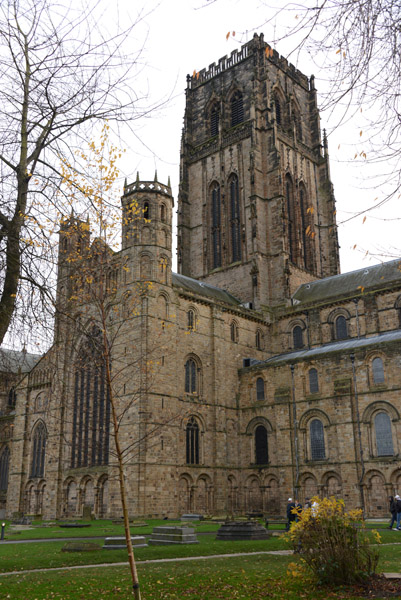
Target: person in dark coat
x,y
291,517
393,510
398,507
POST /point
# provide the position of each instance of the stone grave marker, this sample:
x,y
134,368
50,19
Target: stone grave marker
x,y
242,530
118,543
173,535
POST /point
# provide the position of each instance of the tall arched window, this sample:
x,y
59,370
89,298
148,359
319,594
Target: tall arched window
x,y
216,226
289,194
317,440
341,328
297,337
91,406
237,109
377,370
191,380
234,331
235,220
4,467
277,109
163,213
192,442
259,340
12,398
146,210
306,233
214,119
261,447
384,436
38,450
260,389
191,320
313,381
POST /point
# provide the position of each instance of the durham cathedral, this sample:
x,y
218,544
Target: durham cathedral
x,y
256,372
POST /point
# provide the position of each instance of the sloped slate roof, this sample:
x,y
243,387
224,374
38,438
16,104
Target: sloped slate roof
x,y
14,361
343,346
204,289
354,282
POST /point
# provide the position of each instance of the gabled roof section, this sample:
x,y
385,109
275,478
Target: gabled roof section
x,y
342,346
14,361
348,284
204,289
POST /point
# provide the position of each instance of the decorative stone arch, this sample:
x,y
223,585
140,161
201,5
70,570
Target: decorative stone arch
x,y
163,212
332,484
41,494
30,499
271,494
87,493
369,422
102,496
293,335
185,493
164,237
332,320
375,492
395,481
304,428
70,497
145,266
259,339
308,487
204,494
163,304
253,494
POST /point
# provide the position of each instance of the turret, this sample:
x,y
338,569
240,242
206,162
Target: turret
x,y
147,229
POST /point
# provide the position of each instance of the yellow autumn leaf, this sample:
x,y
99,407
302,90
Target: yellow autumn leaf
x,y
364,219
228,35
338,51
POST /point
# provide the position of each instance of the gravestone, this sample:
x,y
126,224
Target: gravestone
x,y
118,543
242,530
173,535
80,547
191,517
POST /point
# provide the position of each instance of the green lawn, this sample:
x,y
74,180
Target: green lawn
x,y
250,577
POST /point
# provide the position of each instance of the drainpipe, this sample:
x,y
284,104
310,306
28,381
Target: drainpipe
x,y
295,426
358,421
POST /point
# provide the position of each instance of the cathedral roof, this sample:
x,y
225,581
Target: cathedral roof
x,y
204,289
342,346
354,282
14,361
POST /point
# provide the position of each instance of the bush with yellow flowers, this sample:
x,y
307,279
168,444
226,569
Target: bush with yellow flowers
x,y
334,545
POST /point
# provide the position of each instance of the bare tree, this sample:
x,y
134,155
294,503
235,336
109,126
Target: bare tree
x,y
59,73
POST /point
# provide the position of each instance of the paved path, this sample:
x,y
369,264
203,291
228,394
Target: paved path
x,y
144,562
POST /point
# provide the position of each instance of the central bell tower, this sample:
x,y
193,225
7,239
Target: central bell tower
x,y
256,209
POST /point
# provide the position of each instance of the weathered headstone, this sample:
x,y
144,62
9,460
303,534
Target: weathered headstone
x,y
242,530
80,547
173,535
87,512
118,543
191,517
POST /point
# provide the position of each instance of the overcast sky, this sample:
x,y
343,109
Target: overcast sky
x,y
182,35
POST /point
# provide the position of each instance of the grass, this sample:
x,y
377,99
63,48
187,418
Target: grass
x,y
248,577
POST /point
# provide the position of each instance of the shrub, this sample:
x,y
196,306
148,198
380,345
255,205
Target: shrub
x,y
334,544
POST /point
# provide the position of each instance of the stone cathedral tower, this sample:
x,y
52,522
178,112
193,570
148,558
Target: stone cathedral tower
x,y
256,206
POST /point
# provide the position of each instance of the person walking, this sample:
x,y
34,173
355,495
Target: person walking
x,y
393,511
398,507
